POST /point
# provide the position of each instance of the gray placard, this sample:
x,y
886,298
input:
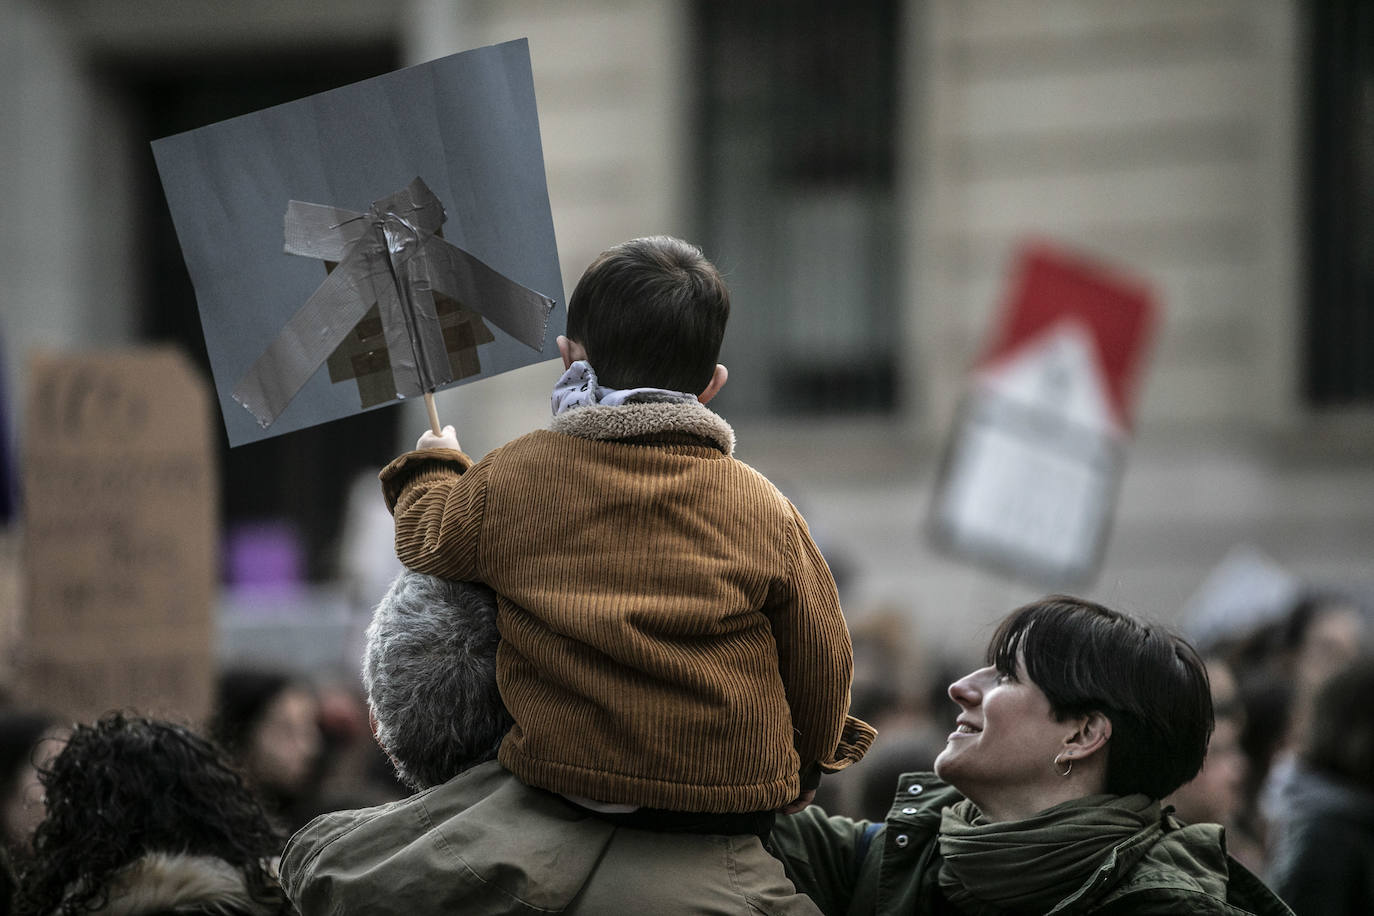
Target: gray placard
x,y
467,124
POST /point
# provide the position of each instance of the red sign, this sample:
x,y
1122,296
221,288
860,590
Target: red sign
x,y
1050,289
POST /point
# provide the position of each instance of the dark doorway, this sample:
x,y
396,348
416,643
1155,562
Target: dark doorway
x,y
301,478
1339,351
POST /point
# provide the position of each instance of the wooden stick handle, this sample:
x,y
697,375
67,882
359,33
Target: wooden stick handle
x,y
433,414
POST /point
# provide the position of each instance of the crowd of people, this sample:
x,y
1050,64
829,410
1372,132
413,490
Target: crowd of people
x,y
615,677
134,815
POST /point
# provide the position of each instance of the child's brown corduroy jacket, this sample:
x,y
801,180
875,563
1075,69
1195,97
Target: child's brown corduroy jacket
x,y
671,636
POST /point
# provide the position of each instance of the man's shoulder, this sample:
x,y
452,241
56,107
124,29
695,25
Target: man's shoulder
x,y
477,842
391,823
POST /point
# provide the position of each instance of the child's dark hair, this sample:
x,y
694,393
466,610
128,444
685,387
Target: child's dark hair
x,y
651,313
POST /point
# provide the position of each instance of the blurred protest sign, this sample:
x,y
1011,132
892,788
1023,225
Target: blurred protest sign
x,y
1245,591
1029,478
120,560
363,178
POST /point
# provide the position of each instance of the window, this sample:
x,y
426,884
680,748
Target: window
x,y
796,133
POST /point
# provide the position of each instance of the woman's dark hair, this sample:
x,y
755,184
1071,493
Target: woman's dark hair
x,y
1274,644
242,696
126,786
1340,738
20,732
1267,695
651,313
1150,683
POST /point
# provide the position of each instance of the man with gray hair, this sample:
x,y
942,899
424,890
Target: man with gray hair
x,y
474,839
429,669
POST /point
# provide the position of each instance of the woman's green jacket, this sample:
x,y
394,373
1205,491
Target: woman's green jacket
x,y
856,868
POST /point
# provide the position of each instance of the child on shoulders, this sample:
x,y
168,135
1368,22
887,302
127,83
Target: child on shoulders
x,y
671,638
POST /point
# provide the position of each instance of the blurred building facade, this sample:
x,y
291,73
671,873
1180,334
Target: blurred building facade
x,y
868,256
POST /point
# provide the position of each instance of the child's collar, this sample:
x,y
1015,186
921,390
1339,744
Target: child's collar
x,y
646,420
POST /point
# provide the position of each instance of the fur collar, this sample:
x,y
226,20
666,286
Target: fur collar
x,y
637,420
163,882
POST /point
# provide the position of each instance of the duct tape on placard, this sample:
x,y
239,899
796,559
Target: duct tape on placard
x,y
390,265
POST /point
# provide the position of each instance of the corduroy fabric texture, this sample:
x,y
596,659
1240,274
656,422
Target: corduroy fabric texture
x,y
671,636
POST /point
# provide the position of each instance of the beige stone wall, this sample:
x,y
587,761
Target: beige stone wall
x,y
62,165
1160,135
1163,135
1156,135
611,88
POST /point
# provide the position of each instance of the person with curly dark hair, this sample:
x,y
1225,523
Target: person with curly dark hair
x,y
147,817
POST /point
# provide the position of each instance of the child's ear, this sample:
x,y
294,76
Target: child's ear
x,y
718,379
570,350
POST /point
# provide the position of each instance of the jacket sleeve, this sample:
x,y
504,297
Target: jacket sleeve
x,y
1319,865
823,855
815,658
437,497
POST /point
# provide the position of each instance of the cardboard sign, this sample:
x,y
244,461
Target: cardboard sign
x,y
1030,476
120,558
311,231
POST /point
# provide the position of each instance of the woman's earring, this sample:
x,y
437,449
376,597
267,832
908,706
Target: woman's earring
x,y
1069,764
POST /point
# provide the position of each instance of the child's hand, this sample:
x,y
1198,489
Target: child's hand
x,y
448,439
800,803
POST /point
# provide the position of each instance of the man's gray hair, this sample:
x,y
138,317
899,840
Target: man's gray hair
x,y
430,672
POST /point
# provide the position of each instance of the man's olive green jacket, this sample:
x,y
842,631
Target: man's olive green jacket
x,y
484,843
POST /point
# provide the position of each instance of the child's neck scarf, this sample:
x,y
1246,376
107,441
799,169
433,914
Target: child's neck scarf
x,y
578,388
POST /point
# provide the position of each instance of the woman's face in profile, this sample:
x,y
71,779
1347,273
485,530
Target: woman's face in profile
x,y
1005,738
282,753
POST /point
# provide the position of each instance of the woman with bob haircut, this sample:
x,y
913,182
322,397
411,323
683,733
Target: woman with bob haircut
x,y
1046,797
146,817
